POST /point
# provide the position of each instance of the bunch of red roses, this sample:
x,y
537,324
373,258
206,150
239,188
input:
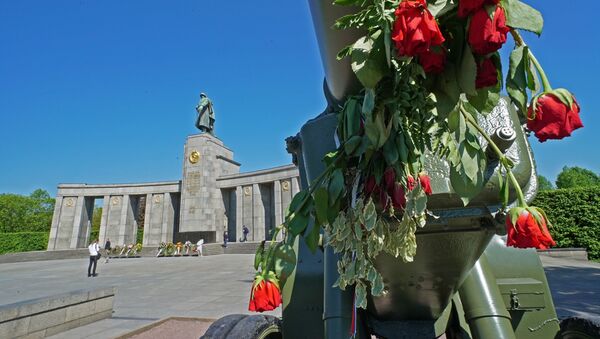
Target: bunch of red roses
x,y
390,192
552,114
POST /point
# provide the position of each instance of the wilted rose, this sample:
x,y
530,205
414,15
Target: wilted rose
x,y
265,296
552,118
528,233
415,29
370,185
425,183
467,7
487,35
433,60
410,182
487,74
389,178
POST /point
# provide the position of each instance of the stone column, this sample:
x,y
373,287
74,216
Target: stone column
x,y
55,222
168,218
78,221
239,217
278,213
257,232
147,219
125,205
104,221
295,186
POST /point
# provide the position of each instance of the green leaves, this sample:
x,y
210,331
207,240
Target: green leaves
x,y
468,72
368,59
467,158
516,81
522,16
284,261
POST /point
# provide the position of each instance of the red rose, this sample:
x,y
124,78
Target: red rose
x,y
467,7
553,119
410,182
370,185
264,297
425,183
487,74
389,178
433,61
398,196
527,233
415,29
487,35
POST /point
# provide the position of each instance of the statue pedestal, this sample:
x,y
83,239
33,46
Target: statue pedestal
x,y
202,208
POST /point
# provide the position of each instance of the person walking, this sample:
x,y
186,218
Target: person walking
x,y
107,249
245,232
225,238
93,249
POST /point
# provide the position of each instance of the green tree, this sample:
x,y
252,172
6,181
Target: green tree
x,y
571,177
19,213
544,184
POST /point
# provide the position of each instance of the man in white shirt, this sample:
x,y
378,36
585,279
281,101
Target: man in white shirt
x,y
93,248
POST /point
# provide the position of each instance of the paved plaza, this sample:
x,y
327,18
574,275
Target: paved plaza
x,y
150,289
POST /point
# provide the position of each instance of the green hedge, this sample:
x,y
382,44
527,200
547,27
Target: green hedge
x,y
575,216
23,242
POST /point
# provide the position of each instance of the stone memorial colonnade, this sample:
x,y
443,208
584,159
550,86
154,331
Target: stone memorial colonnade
x,y
72,219
211,197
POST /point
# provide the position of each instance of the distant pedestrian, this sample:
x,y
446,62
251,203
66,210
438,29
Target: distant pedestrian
x,y
245,232
199,247
107,249
225,238
94,251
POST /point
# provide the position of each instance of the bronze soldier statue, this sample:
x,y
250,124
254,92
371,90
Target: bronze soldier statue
x,y
205,121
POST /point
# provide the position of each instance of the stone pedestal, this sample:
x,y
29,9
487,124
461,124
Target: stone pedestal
x,y
202,205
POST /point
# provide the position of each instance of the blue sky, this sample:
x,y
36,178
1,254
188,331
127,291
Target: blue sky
x,y
104,91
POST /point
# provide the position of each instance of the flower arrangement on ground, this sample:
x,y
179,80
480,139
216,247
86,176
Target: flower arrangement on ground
x,y
430,71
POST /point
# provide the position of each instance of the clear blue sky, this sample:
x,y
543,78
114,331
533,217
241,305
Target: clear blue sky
x,y
104,91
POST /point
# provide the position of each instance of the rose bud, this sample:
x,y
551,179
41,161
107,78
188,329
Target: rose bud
x,y
550,117
528,233
265,296
398,196
410,182
467,7
487,35
370,185
425,183
487,74
389,178
433,60
415,29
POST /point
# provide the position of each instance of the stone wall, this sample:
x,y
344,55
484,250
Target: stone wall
x,y
44,317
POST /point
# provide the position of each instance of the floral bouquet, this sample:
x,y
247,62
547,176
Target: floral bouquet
x,y
170,249
430,72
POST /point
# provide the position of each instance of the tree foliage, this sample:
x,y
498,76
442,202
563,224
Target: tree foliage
x,y
23,242
544,184
19,213
571,177
575,217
